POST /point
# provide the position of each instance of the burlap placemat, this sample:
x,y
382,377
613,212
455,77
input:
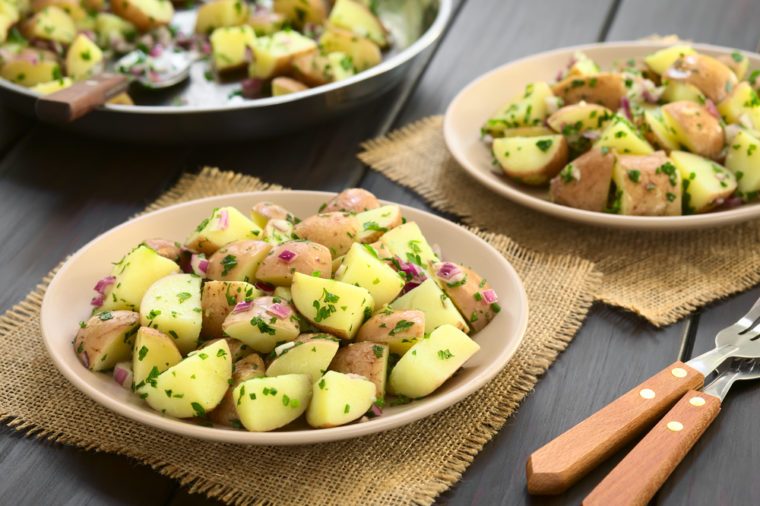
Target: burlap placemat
x,y
412,464
661,276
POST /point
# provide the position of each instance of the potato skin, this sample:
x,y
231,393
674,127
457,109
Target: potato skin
x,y
604,89
702,128
310,257
379,327
468,298
244,252
366,359
712,77
312,69
262,212
166,248
591,189
216,307
251,366
648,196
126,9
352,200
337,231
96,333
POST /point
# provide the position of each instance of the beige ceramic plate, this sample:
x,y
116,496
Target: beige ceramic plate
x,y
481,98
67,302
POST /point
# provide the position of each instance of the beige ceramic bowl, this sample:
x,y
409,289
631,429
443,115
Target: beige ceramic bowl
x,y
67,302
477,102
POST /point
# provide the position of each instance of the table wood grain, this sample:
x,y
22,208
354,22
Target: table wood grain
x,y
58,191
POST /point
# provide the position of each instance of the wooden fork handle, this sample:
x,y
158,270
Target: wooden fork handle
x,y
563,461
638,477
72,103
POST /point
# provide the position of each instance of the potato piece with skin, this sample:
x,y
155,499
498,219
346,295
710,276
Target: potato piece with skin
x,y
695,128
621,136
528,109
265,404
605,89
661,60
582,66
231,47
585,182
531,160
217,301
407,243
312,68
366,359
265,22
338,399
173,305
677,91
237,261
192,387
709,75
376,222
301,12
705,183
106,339
658,132
134,275
354,16
171,250
743,160
579,118
73,8
52,86
332,306
153,350
341,65
534,131
737,62
278,232
144,14
362,268
283,292
264,211
431,362
337,231
310,356
219,14
437,306
110,28
273,55
742,105
252,366
83,59
286,86
225,225
31,67
351,200
472,295
363,52
648,184
397,329
290,257
51,23
262,324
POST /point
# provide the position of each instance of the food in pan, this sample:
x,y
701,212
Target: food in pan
x,y
272,48
258,320
677,133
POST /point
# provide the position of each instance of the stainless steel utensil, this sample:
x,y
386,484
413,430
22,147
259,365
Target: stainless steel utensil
x,y
567,458
638,477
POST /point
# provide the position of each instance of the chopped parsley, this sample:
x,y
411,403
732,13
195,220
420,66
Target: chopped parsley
x,y
445,354
401,326
199,411
183,296
263,326
377,350
106,316
634,175
373,225
544,144
142,352
228,263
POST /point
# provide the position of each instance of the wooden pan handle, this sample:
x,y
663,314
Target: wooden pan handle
x,y
638,477
563,461
80,98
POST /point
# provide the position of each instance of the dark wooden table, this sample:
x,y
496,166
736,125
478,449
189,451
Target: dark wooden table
x,y
58,191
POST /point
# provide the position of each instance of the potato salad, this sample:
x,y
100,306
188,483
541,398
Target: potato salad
x,y
259,319
677,133
272,47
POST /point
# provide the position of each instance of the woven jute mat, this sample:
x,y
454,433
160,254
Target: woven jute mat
x,y
412,464
661,276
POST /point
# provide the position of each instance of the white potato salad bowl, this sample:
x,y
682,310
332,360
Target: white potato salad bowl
x,y
651,211
67,308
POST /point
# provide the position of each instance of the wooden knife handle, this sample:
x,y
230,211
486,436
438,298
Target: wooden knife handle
x,y
638,477
72,103
563,461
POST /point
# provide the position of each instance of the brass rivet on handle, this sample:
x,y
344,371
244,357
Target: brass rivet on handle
x,y
675,426
647,393
679,372
697,401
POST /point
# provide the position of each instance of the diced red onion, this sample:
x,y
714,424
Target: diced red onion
x,y
625,104
279,310
490,296
222,220
156,51
199,264
101,288
252,88
122,374
287,256
409,286
732,202
264,287
85,359
98,300
242,307
560,75
376,410
591,134
710,106
447,270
